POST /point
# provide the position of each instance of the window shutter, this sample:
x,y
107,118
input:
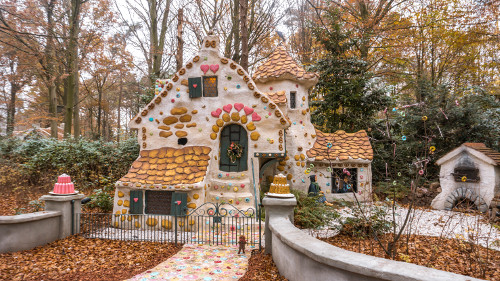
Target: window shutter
x,y
136,205
195,87
179,204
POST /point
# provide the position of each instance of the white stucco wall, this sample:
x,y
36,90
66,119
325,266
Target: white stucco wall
x,y
484,188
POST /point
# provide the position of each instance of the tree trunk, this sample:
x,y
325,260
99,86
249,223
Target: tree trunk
x,y
118,123
244,34
49,53
72,58
236,32
180,41
11,107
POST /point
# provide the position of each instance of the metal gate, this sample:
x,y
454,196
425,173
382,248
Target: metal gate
x,y
210,223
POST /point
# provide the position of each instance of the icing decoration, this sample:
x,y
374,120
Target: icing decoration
x,y
214,67
227,108
204,68
172,100
195,85
238,106
216,113
151,119
136,199
238,86
242,185
248,110
421,172
256,117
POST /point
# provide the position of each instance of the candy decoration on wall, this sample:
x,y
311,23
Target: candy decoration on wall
x,y
227,108
204,68
238,106
214,68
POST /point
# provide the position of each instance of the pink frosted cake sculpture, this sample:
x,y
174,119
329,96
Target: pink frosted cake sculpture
x,y
64,185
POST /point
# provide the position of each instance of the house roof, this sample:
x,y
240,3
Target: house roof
x,y
344,146
169,166
281,66
278,97
481,147
477,149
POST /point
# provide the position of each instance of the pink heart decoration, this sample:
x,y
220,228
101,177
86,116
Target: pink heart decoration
x,y
216,113
248,110
136,199
214,67
204,68
227,108
255,117
238,106
195,85
178,202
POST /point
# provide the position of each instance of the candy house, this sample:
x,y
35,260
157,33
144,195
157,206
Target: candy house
x,y
470,171
213,134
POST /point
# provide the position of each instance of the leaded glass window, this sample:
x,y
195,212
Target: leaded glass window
x,y
210,86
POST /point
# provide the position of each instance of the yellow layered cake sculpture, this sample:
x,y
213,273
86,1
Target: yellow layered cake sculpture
x,y
279,185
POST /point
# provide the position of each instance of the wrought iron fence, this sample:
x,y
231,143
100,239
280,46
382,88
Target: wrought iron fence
x,y
211,223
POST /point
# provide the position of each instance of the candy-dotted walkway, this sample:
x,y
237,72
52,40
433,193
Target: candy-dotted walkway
x,y
200,262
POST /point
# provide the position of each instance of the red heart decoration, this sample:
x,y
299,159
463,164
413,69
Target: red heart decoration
x,y
136,199
214,67
256,117
178,202
204,68
248,110
195,85
227,108
238,106
216,113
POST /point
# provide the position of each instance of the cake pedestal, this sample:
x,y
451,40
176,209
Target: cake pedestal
x,y
69,206
277,207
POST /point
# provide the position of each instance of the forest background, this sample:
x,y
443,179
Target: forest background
x,y
413,73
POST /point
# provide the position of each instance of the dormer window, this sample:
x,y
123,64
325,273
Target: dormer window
x,y
210,86
293,99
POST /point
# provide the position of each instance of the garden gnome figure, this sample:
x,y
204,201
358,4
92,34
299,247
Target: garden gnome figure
x,y
242,243
315,190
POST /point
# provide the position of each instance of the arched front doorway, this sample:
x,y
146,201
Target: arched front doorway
x,y
237,134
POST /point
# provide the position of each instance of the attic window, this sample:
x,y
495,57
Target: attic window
x,y
210,86
292,99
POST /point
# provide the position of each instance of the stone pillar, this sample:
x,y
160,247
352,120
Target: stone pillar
x,y
276,207
63,203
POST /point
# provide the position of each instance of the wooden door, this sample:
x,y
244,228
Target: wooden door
x,y
237,134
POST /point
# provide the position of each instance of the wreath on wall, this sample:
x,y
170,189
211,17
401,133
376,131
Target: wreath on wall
x,y
234,152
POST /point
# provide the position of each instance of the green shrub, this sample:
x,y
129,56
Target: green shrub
x,y
101,199
367,222
87,162
310,214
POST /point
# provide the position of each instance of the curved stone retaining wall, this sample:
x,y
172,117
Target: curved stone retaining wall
x,y
299,256
23,232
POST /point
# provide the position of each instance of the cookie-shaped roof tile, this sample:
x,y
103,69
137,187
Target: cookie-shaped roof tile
x,y
278,97
169,166
341,146
281,66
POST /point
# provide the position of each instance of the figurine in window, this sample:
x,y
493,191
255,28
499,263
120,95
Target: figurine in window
x,y
346,184
242,243
315,190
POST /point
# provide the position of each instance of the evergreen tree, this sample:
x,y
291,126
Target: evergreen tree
x,y
347,95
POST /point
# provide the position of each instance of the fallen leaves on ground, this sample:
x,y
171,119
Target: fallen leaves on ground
x,y
261,267
78,258
453,255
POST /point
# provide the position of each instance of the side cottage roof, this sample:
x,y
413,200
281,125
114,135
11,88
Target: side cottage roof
x,y
343,146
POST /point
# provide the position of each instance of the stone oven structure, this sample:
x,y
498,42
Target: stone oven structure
x,y
472,172
211,104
